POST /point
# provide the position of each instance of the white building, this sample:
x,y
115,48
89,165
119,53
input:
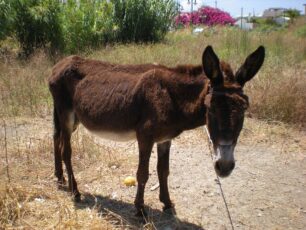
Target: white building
x,y
243,24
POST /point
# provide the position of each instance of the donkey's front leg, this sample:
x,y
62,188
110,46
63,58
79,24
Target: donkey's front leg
x,y
145,147
163,151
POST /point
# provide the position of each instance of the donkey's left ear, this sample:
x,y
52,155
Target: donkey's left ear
x,y
251,66
211,66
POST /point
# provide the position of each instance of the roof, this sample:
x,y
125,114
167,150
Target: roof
x,y
273,12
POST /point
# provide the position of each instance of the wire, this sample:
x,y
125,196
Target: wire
x,y
218,179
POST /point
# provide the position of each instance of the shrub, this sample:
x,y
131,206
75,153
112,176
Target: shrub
x,y
143,20
206,16
76,25
301,31
37,24
5,19
292,14
214,16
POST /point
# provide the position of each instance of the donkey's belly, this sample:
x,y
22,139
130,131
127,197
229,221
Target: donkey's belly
x,y
115,136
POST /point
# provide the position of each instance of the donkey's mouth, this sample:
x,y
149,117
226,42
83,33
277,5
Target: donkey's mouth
x,y
223,171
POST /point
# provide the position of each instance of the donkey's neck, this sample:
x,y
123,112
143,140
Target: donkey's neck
x,y
188,93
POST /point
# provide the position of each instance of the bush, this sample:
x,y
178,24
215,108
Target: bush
x,y
79,25
206,16
76,25
292,14
5,19
37,24
301,31
143,20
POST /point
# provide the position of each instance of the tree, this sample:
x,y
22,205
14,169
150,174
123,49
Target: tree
x,y
292,14
5,19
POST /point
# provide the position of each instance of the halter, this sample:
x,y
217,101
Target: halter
x,y
212,91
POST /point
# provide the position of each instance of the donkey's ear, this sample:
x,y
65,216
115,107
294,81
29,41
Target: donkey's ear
x,y
211,66
251,66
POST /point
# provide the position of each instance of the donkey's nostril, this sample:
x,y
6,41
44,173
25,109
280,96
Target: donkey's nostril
x,y
232,166
223,169
217,166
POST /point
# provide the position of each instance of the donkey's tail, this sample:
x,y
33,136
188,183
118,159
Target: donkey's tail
x,y
56,122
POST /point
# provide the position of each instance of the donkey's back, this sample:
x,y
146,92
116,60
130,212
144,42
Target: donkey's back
x,y
108,99
75,65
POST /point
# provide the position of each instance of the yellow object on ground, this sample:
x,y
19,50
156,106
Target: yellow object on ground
x,y
130,181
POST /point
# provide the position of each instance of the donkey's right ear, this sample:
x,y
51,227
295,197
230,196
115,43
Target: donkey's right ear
x,y
211,66
251,66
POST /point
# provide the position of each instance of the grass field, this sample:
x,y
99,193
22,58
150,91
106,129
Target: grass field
x,y
277,96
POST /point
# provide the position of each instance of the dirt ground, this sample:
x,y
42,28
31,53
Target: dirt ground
x,y
265,191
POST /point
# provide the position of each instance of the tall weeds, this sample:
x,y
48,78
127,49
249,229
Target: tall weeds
x,y
23,87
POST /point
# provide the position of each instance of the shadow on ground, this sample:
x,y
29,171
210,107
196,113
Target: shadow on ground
x,y
122,214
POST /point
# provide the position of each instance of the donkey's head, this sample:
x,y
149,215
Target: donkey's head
x,y
226,104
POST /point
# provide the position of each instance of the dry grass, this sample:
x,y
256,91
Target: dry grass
x,y
23,86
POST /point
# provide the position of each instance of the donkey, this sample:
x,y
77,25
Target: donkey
x,y
153,104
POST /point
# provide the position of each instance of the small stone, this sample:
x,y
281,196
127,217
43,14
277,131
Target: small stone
x,y
39,200
114,195
114,167
154,187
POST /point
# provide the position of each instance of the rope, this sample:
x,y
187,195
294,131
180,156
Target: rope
x,y
218,179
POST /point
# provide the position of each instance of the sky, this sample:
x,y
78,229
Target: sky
x,y
234,6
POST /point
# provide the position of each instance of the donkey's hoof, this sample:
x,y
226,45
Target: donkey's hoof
x,y
61,185
141,213
77,198
169,209
61,181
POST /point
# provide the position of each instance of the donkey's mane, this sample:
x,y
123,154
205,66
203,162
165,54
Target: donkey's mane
x,y
227,71
192,70
195,70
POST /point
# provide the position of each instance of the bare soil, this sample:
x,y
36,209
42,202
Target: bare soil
x,y
265,191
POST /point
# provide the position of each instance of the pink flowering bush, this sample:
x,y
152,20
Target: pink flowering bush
x,y
183,19
205,15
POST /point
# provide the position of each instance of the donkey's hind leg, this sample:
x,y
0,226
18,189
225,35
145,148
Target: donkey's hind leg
x,y
69,124
57,150
163,150
66,155
65,123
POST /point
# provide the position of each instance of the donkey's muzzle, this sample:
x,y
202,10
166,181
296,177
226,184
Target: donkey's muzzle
x,y
224,161
224,169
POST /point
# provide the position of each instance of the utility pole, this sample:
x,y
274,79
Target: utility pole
x,y
191,7
191,2
241,18
216,4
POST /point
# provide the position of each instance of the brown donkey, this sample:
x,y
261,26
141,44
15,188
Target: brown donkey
x,y
153,104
